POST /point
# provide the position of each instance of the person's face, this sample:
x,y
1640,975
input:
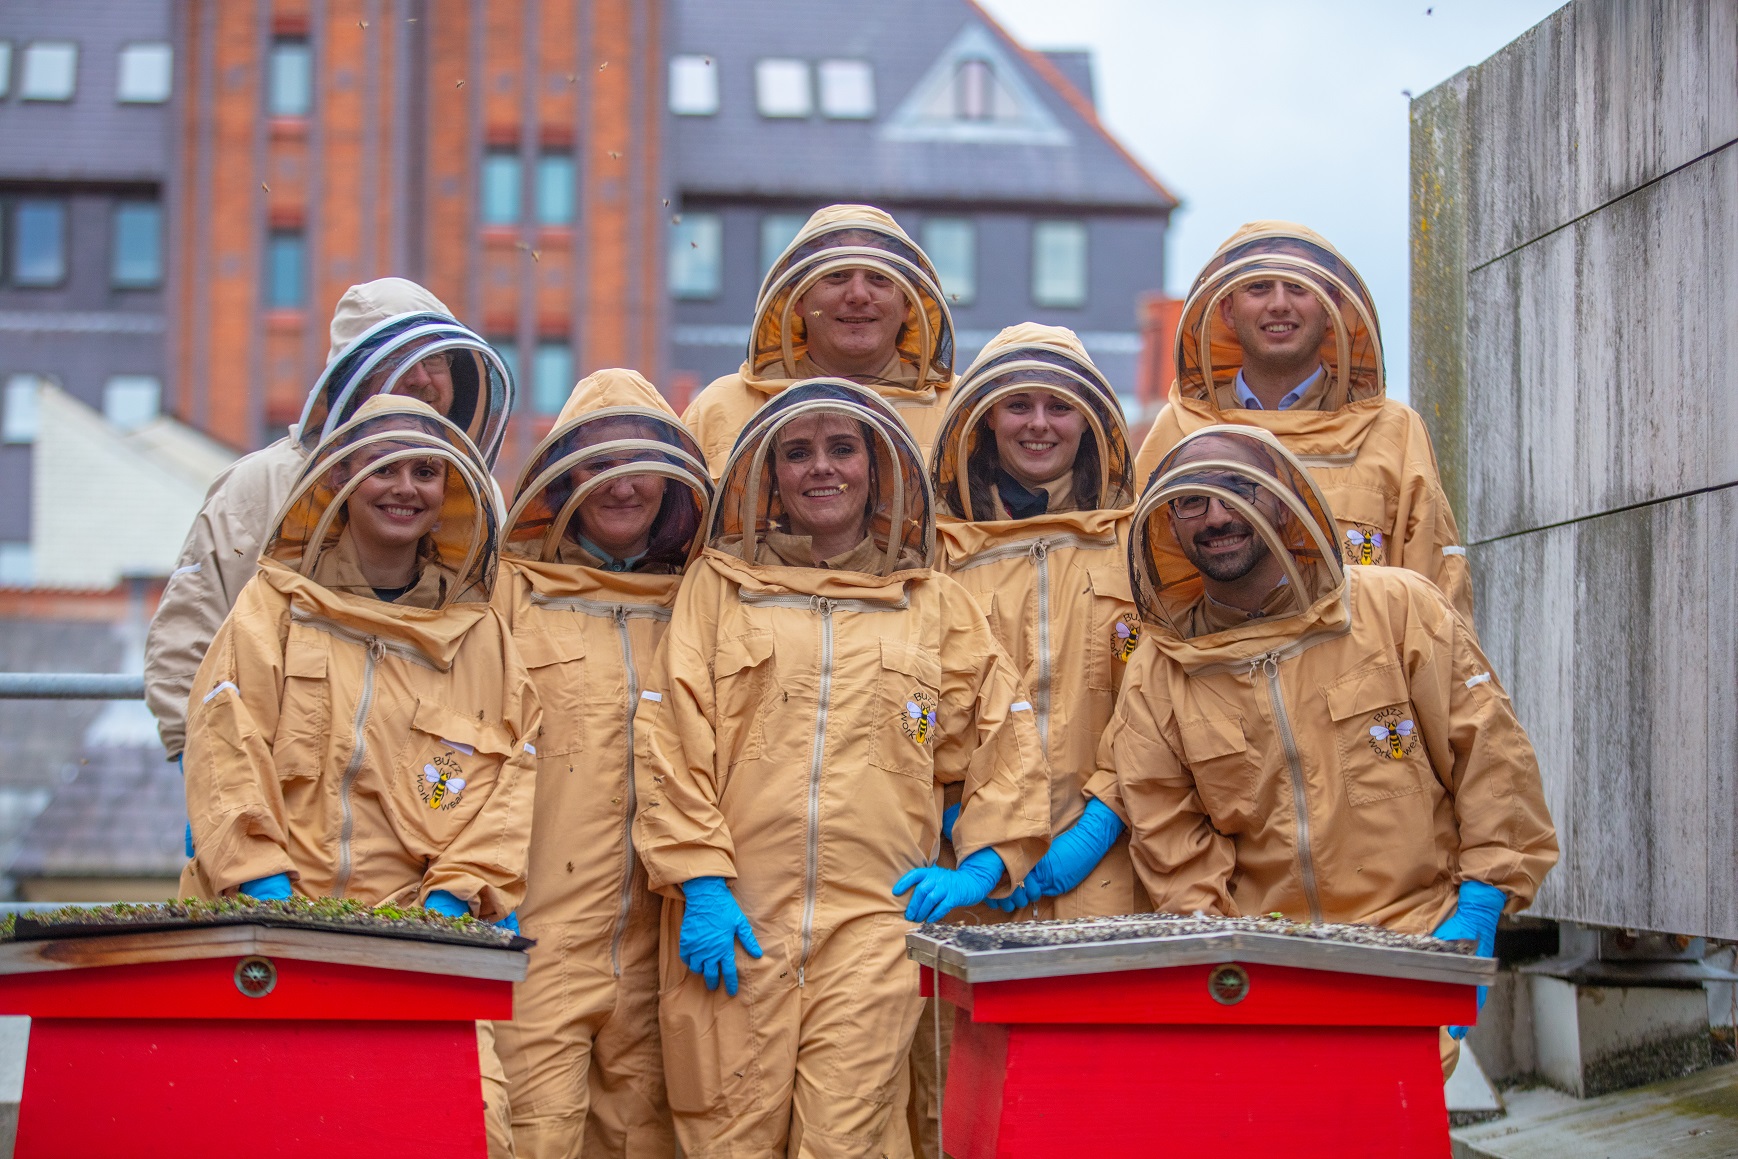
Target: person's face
x,y
1219,541
618,515
1279,324
853,318
1037,435
822,467
429,379
397,504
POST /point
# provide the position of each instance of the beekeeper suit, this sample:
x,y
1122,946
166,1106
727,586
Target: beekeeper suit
x,y
581,1054
387,336
1369,453
794,742
913,367
1334,748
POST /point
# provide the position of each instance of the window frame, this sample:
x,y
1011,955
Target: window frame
x,y
132,380
766,69
300,268
765,252
955,296
133,48
501,161
115,279
5,68
680,232
832,66
30,50
537,397
14,247
570,191
704,66
1057,302
279,45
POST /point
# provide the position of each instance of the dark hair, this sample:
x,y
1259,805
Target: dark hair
x,y
983,465
870,448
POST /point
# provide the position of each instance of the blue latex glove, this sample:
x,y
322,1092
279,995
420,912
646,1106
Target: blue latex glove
x,y
447,905
935,891
273,888
1474,919
510,922
1074,854
187,837
712,924
948,816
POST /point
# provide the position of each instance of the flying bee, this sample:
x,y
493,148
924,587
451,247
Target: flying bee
x,y
444,782
1395,734
924,718
1365,544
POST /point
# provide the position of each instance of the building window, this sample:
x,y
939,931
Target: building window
x,y
138,252
847,89
38,243
50,71
132,400
778,230
290,86
18,420
952,246
555,189
5,67
693,86
974,91
507,347
285,274
1059,263
696,256
781,88
551,377
17,565
500,195
146,74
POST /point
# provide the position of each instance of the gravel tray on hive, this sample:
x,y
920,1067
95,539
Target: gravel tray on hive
x,y
410,923
1021,935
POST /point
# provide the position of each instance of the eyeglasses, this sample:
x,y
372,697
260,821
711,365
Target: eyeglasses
x,y
437,363
1195,506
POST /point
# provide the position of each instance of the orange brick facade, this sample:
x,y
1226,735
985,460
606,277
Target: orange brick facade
x,y
383,177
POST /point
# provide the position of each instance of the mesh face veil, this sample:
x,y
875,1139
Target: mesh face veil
x,y
899,512
852,238
462,547
592,451
964,462
1208,352
379,361
1254,477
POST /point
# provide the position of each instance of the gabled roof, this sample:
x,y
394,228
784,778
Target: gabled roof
x,y
1044,144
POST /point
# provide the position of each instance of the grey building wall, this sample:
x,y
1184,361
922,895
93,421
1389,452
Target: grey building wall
x,y
1575,299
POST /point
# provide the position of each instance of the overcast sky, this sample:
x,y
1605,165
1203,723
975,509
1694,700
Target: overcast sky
x,y
1278,108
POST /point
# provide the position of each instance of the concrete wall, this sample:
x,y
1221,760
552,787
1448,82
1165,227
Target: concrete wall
x,y
1575,306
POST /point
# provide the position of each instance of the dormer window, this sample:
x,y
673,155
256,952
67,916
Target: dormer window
x,y
974,91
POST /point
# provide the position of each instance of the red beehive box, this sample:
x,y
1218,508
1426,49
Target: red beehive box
x,y
1196,1037
251,1039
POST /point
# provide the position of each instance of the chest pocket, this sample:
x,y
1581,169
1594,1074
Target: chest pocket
x,y
905,715
1225,776
1380,747
742,680
305,721
566,689
1366,522
448,769
1116,628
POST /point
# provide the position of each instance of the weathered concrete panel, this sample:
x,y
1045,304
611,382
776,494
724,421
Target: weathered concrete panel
x,y
1600,358
1598,100
1625,673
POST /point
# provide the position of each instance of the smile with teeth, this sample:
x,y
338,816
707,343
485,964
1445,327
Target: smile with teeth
x,y
1280,327
1223,542
823,492
1037,448
398,512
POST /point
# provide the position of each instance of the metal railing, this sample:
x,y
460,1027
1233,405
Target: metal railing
x,y
71,686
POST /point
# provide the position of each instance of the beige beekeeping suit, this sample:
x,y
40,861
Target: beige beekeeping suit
x,y
378,329
918,374
1369,453
582,1056
796,737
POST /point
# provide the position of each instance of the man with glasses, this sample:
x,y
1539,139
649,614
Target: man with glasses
x,y
1303,737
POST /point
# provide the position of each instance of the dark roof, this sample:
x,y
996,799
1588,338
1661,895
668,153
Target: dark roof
x,y
1056,152
1076,65
122,815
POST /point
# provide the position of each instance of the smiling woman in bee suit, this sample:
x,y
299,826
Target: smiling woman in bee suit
x,y
1302,737
605,519
1285,332
852,297
361,726
819,687
387,336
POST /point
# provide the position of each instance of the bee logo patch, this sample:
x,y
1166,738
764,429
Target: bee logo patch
x,y
1125,636
1392,735
1365,545
918,719
440,783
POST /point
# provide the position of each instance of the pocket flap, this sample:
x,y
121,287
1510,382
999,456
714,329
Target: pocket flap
x,y
1364,692
543,648
1365,505
305,657
460,731
900,656
1212,736
739,652
1110,581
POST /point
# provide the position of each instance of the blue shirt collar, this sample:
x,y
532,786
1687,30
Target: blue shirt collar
x,y
610,562
1247,400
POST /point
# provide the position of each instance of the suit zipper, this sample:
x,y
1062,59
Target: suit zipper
x,y
1269,665
812,870
364,703
633,677
1041,559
